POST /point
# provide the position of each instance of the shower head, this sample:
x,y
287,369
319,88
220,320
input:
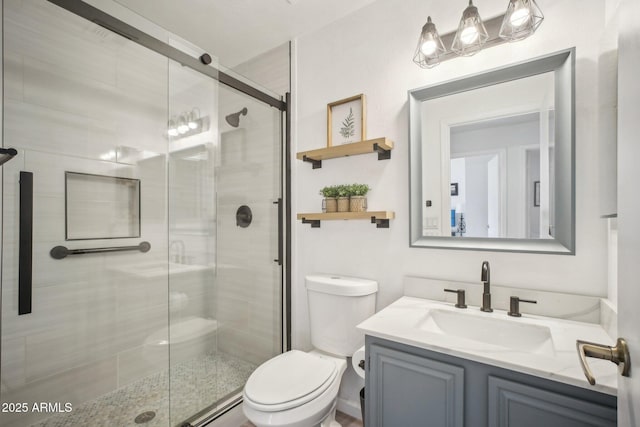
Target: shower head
x,y
234,119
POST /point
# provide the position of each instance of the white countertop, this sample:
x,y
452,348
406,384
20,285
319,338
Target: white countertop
x,y
401,322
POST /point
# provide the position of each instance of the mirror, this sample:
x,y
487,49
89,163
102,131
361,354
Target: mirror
x,y
492,159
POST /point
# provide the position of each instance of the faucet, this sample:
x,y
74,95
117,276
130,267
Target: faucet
x,y
486,294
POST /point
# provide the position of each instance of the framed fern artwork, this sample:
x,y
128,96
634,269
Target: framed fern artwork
x,y
346,121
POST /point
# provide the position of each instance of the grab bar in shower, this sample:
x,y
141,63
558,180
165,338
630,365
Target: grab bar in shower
x,y
7,154
60,252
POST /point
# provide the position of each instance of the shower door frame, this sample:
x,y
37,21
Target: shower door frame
x,y
111,23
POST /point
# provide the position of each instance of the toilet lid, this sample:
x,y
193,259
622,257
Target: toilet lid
x,y
289,380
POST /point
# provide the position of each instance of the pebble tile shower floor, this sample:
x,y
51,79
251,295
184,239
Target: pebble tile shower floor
x,y
195,384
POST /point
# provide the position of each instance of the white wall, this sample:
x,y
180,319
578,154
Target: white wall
x,y
371,52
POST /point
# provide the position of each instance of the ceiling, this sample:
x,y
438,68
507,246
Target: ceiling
x,y
238,30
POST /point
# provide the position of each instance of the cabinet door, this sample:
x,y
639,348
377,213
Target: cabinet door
x,y
409,390
513,404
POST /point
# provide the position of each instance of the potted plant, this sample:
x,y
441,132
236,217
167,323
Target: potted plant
x,y
358,200
330,202
343,197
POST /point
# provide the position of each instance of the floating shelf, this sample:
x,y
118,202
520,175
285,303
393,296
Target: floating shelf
x,y
379,218
382,146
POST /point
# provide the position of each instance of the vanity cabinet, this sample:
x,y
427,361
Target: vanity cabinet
x,y
411,386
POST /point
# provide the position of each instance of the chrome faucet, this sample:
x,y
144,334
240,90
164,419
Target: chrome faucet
x,y
486,294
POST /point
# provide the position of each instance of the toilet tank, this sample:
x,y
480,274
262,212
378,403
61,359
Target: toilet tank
x,y
336,305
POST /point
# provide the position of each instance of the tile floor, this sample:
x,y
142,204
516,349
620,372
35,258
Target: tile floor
x,y
195,384
344,420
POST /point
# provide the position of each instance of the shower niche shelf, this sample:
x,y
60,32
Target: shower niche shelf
x,y
382,146
379,218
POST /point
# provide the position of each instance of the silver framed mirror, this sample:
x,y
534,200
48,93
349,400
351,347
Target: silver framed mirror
x,y
492,159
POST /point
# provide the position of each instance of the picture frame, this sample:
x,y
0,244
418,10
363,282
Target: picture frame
x,y
346,121
536,194
454,188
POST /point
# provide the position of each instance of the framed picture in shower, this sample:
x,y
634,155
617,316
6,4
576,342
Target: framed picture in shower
x,y
346,121
101,207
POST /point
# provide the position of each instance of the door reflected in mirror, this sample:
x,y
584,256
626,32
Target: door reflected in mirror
x,y
494,167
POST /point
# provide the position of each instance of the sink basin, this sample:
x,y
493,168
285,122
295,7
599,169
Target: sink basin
x,y
511,334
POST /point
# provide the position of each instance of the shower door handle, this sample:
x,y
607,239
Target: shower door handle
x,y
25,249
280,236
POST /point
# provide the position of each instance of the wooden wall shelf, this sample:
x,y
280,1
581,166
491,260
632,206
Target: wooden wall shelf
x,y
382,146
380,218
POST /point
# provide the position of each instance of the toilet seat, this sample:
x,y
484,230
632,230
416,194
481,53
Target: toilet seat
x,y
289,380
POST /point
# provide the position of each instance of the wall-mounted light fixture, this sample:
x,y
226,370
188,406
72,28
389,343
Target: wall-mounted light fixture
x,y
187,124
522,19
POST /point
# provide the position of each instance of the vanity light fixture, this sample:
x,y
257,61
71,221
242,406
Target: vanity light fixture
x,y
522,19
471,34
187,124
430,47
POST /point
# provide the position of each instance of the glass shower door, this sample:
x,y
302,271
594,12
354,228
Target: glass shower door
x,y
144,206
225,273
193,325
86,110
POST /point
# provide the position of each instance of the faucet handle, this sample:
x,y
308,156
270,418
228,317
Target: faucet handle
x,y
461,297
514,306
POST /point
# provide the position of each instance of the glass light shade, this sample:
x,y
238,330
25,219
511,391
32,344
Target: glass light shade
x,y
471,34
172,129
430,47
523,17
182,125
193,120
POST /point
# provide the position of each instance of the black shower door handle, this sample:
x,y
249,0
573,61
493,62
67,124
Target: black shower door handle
x,y
280,236
25,259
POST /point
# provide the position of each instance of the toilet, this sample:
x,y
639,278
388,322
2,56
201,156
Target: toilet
x,y
299,389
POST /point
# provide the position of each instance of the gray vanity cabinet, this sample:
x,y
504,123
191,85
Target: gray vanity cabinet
x,y
408,386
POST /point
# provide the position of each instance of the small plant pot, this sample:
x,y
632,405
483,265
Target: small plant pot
x,y
330,204
343,204
358,204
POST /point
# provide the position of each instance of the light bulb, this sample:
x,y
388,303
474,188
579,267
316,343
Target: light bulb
x,y
192,123
172,131
469,35
519,17
429,47
182,125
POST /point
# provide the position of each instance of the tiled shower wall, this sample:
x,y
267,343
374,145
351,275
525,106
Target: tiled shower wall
x,y
249,294
248,279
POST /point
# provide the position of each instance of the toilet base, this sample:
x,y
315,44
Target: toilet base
x,y
330,421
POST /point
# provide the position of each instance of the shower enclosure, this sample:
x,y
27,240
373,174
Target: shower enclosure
x,y
142,241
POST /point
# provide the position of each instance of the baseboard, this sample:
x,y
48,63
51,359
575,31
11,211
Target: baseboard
x,y
349,407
